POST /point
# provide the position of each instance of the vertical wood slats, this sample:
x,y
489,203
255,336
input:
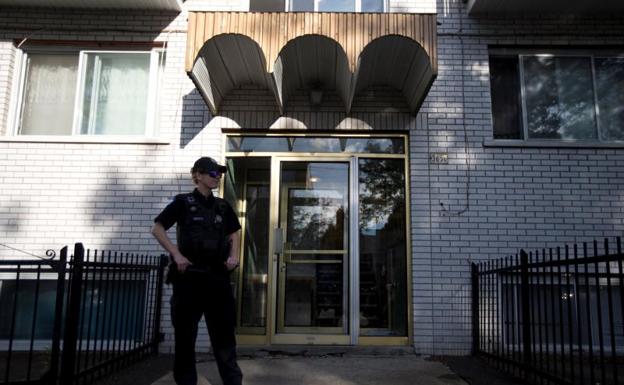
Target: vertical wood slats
x,y
353,31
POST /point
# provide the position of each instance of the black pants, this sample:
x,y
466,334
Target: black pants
x,y
208,294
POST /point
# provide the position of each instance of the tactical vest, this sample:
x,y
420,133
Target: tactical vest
x,y
201,236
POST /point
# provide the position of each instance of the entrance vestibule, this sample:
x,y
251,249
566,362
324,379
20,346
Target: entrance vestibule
x,y
324,254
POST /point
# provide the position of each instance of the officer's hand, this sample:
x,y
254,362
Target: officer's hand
x,y
231,263
181,262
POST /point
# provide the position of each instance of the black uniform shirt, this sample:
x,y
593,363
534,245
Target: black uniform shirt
x,y
176,212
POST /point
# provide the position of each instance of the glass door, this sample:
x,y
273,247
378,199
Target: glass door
x,y
312,248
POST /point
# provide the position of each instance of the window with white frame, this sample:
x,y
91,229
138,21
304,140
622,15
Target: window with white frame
x,y
72,92
317,5
562,95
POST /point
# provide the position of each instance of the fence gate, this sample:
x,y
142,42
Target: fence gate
x,y
76,318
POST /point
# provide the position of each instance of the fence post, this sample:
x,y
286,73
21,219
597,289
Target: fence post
x,y
68,359
162,263
526,309
50,376
474,271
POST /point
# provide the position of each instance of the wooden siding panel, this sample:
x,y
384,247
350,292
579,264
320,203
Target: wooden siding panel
x,y
325,23
191,54
199,38
209,25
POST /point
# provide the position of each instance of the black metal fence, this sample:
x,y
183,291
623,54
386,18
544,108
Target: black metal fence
x,y
553,315
73,319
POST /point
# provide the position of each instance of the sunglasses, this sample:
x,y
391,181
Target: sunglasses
x,y
214,174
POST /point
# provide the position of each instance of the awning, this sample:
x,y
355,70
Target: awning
x,y
284,52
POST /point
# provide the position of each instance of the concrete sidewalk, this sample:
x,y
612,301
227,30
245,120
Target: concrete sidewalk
x,y
332,366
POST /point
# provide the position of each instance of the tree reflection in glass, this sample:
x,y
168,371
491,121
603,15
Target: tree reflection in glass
x,y
559,97
317,219
383,301
609,86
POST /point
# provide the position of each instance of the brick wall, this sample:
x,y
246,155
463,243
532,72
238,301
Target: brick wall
x,y
518,197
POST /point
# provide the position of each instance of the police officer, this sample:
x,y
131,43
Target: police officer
x,y
207,249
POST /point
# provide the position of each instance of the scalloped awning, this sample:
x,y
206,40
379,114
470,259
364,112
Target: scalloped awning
x,y
346,52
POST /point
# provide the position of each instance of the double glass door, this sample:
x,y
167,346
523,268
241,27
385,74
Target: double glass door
x,y
324,241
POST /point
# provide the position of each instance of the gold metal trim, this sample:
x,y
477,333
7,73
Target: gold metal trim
x,y
408,246
384,341
249,339
290,251
251,330
310,339
272,305
241,258
285,257
240,272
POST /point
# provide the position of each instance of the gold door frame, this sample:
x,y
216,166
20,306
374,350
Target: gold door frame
x,y
353,337
255,330
305,337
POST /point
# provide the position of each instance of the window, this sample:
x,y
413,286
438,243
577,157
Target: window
x,y
88,93
317,5
266,5
565,96
319,144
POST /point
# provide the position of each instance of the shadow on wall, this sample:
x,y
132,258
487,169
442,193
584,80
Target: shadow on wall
x,y
121,213
456,299
85,23
254,108
194,115
10,223
9,217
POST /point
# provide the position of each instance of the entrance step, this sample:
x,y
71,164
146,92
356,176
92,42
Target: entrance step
x,y
261,351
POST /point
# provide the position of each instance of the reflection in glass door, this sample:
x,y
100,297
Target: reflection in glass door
x,y
313,260
382,246
247,188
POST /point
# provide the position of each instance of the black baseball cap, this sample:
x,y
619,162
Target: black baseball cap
x,y
205,164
